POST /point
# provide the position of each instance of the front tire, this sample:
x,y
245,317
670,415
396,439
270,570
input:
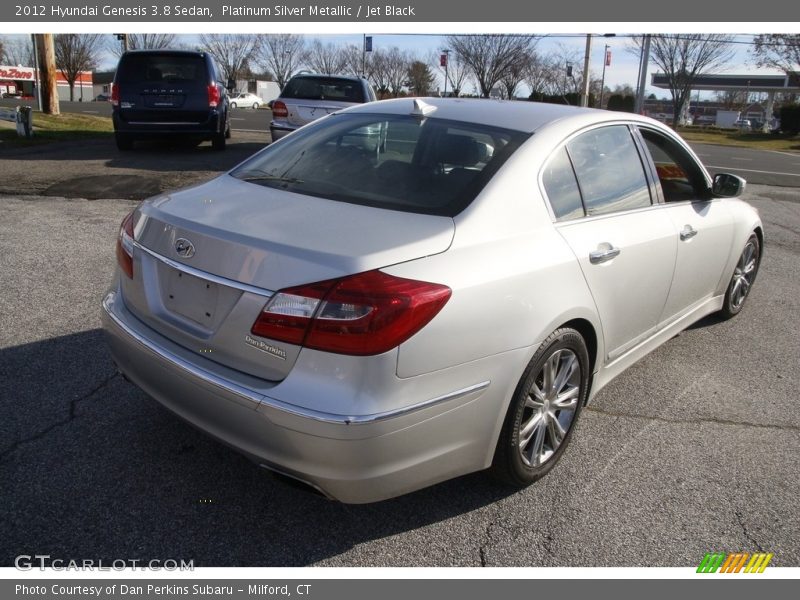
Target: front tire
x,y
543,410
233,104
744,274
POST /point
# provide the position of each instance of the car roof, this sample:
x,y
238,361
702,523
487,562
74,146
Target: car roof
x,y
323,76
519,115
164,51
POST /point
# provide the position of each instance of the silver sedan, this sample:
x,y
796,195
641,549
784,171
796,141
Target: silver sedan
x,y
407,291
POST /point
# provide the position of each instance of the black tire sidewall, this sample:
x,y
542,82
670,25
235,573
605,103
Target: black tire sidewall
x,y
728,310
514,470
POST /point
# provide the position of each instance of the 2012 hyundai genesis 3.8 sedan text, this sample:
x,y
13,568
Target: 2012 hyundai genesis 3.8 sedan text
x,y
410,290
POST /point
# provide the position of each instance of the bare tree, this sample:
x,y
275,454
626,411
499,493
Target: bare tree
x,y
779,51
76,52
232,51
379,73
513,76
142,41
489,57
16,51
685,57
327,59
457,71
356,61
396,69
282,54
541,74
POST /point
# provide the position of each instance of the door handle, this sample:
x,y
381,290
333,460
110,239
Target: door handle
x,y
688,232
604,254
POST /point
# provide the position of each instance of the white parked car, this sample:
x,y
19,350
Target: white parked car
x,y
245,100
407,291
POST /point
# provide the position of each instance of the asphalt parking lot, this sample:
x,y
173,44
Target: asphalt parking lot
x,y
693,449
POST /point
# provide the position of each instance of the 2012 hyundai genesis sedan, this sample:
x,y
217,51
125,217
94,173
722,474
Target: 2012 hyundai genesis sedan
x,y
411,290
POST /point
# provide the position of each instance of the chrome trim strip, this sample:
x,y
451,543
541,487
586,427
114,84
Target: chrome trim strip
x,y
194,123
205,275
260,400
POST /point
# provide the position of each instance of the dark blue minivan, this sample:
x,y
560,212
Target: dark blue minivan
x,y
168,94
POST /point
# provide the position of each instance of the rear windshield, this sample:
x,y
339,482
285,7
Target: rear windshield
x,y
149,68
324,88
430,166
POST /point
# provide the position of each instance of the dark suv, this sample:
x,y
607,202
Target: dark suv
x,y
308,97
169,93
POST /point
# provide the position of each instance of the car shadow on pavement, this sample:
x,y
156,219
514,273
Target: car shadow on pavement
x,y
156,155
93,468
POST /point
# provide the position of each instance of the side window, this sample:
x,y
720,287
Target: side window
x,y
679,175
562,187
609,170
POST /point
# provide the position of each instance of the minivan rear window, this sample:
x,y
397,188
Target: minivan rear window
x,y
400,162
152,68
324,88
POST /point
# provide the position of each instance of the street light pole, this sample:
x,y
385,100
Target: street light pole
x,y
603,80
446,66
644,62
585,91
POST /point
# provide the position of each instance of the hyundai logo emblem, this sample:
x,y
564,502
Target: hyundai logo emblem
x,y
184,248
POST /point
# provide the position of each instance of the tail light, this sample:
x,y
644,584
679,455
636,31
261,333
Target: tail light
x,y
362,314
279,109
214,96
125,245
115,94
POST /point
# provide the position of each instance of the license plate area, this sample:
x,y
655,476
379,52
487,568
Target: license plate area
x,y
191,297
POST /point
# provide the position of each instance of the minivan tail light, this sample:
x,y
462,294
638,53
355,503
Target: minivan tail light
x,y
214,96
125,245
279,109
364,314
115,94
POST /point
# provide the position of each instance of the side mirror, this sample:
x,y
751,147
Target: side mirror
x,y
231,85
728,186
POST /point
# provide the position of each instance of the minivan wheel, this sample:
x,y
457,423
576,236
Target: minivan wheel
x,y
218,141
543,410
124,141
744,274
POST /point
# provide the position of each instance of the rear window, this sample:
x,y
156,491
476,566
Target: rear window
x,y
430,166
324,88
151,68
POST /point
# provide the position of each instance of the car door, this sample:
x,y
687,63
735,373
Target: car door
x,y
703,225
626,248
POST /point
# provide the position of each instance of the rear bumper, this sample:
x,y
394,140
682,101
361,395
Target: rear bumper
x,y
352,458
145,128
280,129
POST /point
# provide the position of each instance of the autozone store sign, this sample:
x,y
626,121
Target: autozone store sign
x,y
27,74
16,73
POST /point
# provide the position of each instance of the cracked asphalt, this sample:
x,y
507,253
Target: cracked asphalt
x,y
693,449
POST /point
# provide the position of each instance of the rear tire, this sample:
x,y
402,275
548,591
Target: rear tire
x,y
543,410
744,275
233,104
255,105
124,142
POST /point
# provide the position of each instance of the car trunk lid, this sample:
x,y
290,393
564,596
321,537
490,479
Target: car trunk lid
x,y
209,257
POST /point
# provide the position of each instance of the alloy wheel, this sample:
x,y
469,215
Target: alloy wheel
x,y
550,407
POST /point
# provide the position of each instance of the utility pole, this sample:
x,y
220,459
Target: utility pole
x,y
446,57
644,61
36,77
585,91
47,70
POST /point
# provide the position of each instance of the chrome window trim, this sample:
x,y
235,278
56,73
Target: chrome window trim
x,y
205,275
